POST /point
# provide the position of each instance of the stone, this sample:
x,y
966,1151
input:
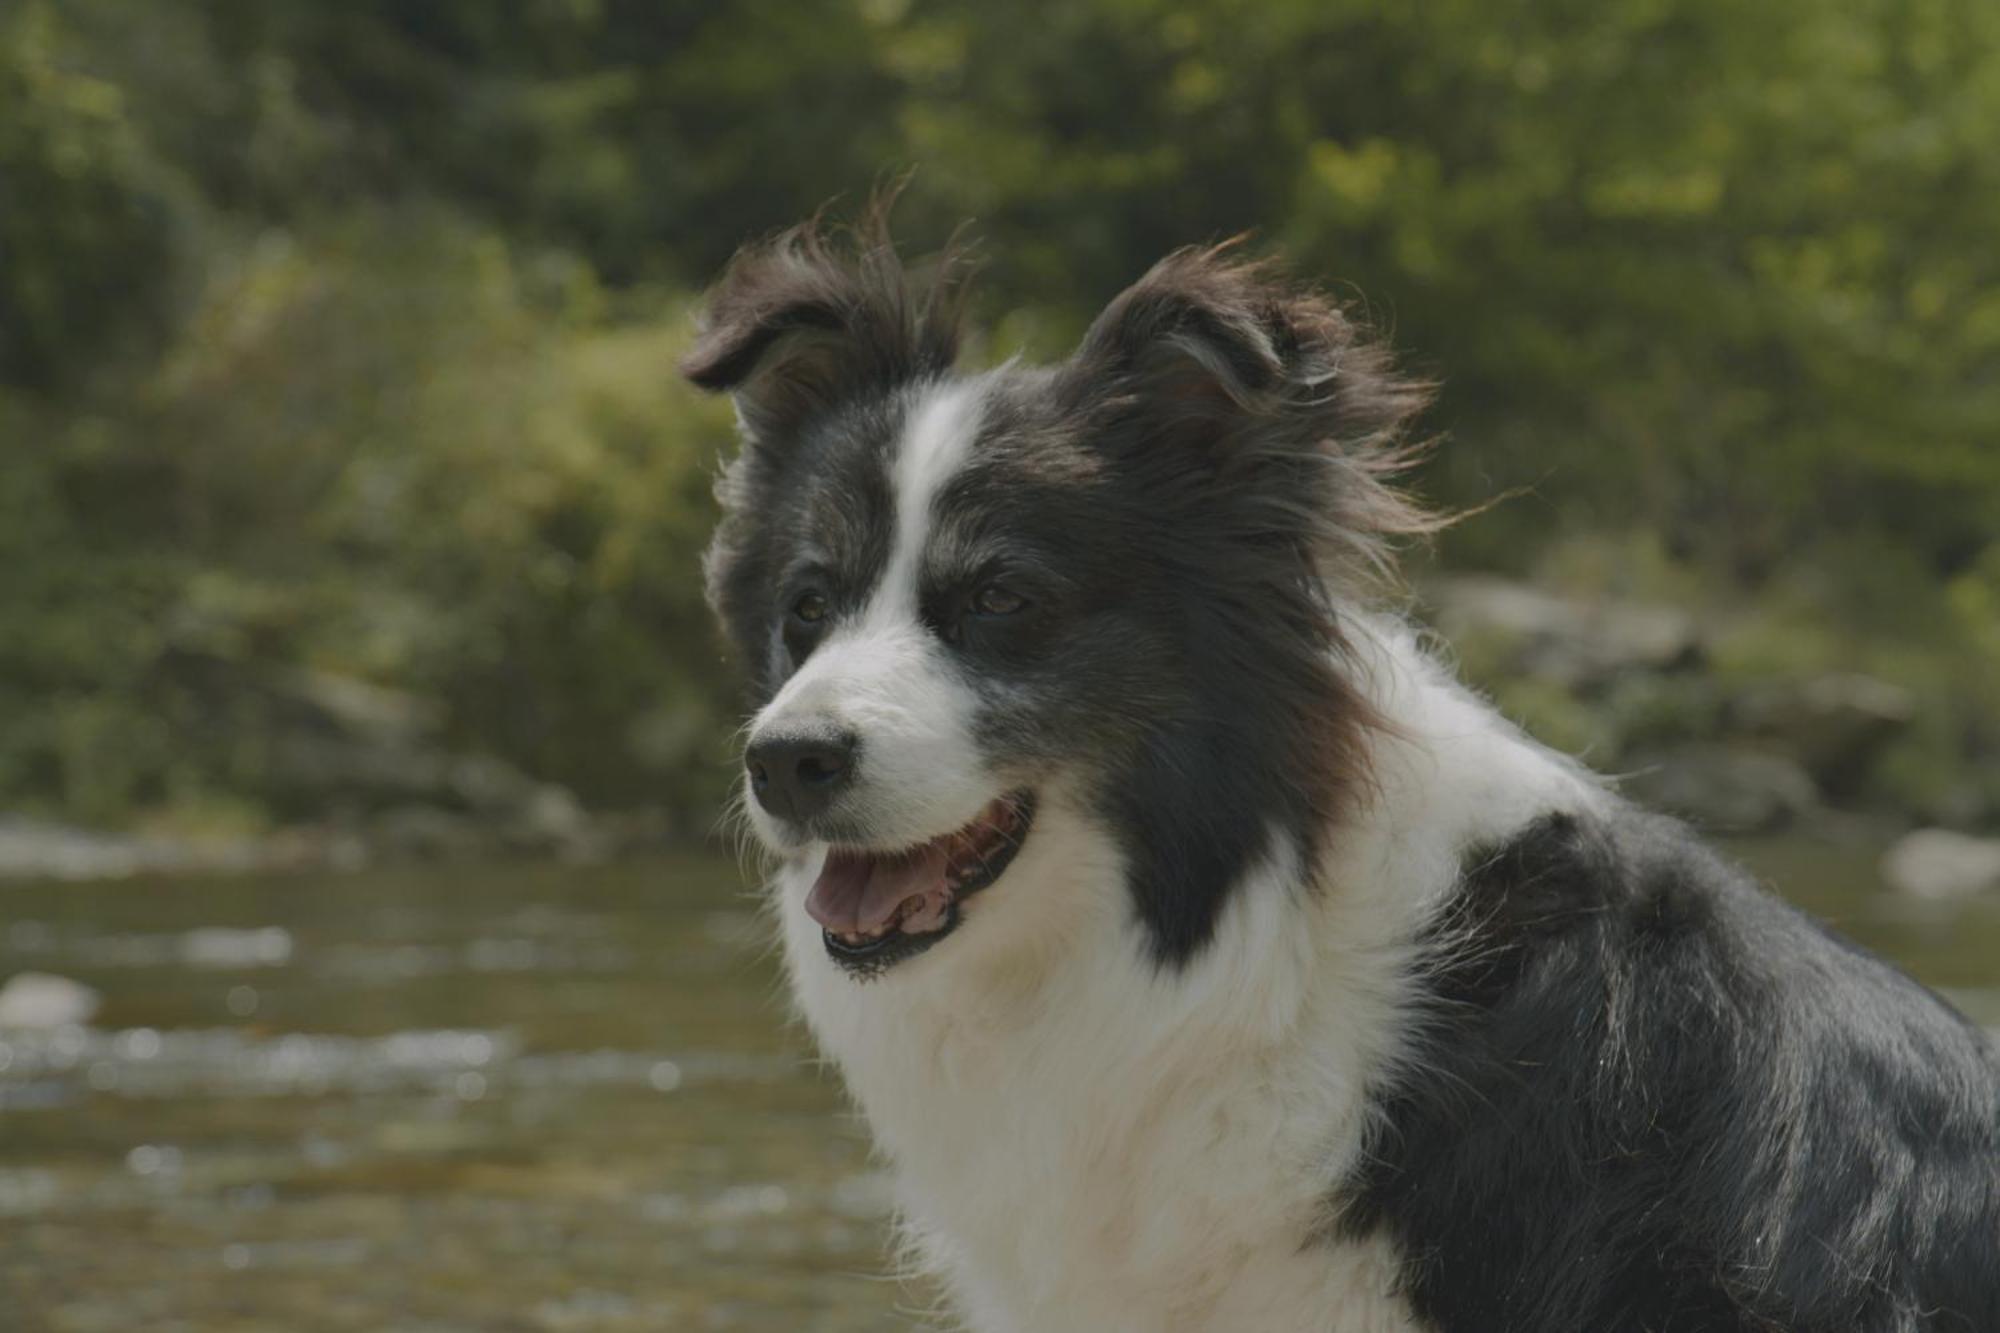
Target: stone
x,y
43,1000
228,948
551,819
415,832
1572,642
1939,865
1727,789
1837,725
33,849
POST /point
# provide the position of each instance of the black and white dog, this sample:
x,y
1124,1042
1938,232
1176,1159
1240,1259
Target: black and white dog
x,y
1203,956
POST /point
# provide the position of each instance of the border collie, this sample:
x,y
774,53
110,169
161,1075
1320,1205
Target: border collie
x,y
1202,955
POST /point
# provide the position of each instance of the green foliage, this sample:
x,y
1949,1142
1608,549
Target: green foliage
x,y
86,222
383,450
338,338
1725,270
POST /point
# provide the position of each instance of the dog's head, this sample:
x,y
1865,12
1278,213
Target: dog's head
x,y
1115,578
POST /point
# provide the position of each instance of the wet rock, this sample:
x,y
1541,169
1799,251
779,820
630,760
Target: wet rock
x,y
341,740
365,771
1727,789
314,770
490,786
551,819
308,769
1938,864
426,833
372,752
33,849
230,949
1836,725
1521,629
42,1000
346,705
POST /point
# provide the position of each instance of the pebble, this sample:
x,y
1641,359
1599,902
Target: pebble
x,y
42,1000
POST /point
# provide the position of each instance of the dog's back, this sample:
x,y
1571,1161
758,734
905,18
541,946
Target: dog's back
x,y
1650,1096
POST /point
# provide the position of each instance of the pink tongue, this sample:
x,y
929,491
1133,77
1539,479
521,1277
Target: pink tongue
x,y
857,893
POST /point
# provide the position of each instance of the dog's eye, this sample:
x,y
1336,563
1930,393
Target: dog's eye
x,y
994,600
811,608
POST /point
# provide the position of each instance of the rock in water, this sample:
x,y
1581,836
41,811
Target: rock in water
x,y
44,1000
1726,789
1837,726
1940,865
1575,643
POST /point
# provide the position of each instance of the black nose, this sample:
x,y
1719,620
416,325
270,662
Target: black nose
x,y
797,776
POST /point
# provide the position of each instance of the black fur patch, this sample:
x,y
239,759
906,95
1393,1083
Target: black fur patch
x,y
1649,1096
816,512
1240,426
1178,503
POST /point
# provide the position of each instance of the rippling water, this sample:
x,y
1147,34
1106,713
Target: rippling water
x,y
528,1098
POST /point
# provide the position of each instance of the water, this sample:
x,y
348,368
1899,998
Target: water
x,y
528,1098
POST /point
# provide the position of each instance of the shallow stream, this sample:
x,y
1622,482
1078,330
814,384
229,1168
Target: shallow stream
x,y
525,1098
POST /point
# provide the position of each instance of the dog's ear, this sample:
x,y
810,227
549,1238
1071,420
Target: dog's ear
x,y
1207,337
803,322
1254,405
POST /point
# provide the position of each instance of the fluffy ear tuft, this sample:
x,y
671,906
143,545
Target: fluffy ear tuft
x,y
1217,365
1205,322
810,318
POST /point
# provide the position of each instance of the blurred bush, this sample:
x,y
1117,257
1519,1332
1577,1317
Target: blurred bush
x,y
382,449
336,341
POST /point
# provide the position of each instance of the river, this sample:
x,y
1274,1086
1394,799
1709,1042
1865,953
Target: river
x,y
527,1098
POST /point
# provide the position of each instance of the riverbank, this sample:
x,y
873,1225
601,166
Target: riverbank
x,y
1742,720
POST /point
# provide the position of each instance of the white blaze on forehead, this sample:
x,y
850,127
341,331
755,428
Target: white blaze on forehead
x,y
937,440
881,675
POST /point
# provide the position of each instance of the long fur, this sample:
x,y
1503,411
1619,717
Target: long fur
x,y
1316,996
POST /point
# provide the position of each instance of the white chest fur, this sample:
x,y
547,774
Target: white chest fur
x,y
1083,1143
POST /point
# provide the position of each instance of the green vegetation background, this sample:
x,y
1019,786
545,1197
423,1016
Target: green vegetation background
x,y
336,340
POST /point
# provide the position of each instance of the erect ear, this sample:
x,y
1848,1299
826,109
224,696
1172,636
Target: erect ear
x,y
1206,336
801,323
1254,406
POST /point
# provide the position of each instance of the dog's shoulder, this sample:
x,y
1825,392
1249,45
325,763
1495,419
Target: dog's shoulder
x,y
1646,1094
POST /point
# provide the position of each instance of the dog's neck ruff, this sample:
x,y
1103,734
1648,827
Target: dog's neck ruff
x,y
1085,1140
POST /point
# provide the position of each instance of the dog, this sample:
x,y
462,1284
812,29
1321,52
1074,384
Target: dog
x,y
1201,954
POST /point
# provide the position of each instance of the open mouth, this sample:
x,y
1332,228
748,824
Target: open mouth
x,y
878,908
